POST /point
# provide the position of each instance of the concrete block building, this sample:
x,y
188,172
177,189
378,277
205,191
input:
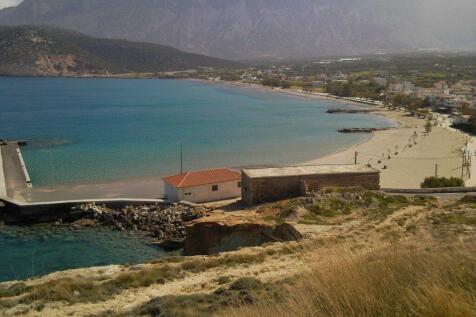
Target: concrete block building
x,y
272,184
203,186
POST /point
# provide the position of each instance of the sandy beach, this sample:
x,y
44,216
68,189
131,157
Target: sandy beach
x,y
439,151
403,166
404,155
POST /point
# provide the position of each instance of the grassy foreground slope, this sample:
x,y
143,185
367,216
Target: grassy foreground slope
x,y
365,254
39,50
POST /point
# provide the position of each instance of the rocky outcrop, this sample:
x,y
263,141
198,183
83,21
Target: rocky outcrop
x,y
210,235
158,221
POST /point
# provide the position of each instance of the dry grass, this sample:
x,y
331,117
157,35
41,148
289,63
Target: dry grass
x,y
84,289
393,256
399,281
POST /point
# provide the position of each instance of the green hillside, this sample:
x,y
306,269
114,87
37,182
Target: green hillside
x,y
45,51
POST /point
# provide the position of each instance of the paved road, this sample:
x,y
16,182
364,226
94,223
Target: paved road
x,y
14,177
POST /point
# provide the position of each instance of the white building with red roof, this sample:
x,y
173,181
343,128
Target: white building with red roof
x,y
203,186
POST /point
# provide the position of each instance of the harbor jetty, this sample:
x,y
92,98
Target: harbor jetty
x,y
163,222
3,185
362,130
348,111
14,176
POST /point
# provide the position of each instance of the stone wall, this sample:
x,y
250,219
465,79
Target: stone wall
x,y
268,189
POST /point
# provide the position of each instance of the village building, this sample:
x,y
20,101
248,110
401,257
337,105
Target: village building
x,y
404,87
203,186
273,184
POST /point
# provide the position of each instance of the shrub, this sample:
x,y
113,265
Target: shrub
x,y
439,182
246,283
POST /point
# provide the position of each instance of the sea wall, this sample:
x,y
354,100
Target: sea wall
x,y
18,212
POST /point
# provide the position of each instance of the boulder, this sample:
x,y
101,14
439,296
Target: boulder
x,y
210,236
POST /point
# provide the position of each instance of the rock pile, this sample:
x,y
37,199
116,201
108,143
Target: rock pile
x,y
159,221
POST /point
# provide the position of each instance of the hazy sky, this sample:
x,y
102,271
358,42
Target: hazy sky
x,y
8,3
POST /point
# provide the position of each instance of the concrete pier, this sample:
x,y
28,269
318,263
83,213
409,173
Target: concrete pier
x,y
15,174
3,185
18,212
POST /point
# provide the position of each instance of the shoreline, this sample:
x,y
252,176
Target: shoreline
x,y
147,187
439,151
152,186
288,92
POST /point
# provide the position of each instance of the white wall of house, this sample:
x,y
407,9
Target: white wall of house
x,y
204,193
171,193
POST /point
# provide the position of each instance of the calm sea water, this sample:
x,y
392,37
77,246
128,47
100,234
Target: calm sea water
x,y
83,130
98,129
42,249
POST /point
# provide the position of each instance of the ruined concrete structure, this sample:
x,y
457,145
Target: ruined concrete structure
x,y
212,235
272,184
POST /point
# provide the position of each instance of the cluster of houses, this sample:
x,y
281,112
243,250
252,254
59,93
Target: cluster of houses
x,y
458,99
256,186
457,96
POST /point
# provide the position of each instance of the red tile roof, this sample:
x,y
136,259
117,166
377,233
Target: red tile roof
x,y
197,178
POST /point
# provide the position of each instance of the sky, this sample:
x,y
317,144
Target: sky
x,y
8,3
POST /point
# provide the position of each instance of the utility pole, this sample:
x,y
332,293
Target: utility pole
x,y
470,164
355,157
181,158
436,170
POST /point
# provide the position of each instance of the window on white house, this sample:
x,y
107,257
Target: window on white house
x,y
188,194
238,184
215,188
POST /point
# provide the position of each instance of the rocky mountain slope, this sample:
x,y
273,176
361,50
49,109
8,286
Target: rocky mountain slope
x,y
38,51
243,29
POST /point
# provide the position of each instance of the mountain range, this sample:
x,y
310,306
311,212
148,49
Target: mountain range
x,y
48,51
244,29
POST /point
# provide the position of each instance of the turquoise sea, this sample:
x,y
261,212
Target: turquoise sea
x,y
41,249
82,130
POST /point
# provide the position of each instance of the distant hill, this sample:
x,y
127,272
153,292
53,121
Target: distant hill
x,y
46,51
248,29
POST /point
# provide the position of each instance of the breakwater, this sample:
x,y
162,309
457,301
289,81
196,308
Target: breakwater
x,y
348,111
18,212
14,176
3,185
362,130
163,222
